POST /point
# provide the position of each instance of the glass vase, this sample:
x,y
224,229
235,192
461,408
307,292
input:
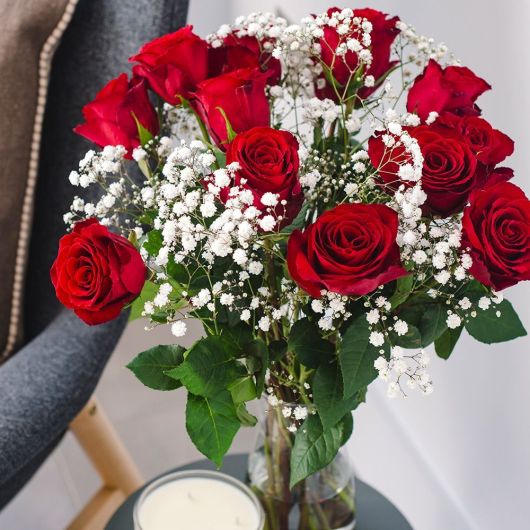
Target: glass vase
x,y
323,501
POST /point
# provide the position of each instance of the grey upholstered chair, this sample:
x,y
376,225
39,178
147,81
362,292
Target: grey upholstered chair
x,y
47,382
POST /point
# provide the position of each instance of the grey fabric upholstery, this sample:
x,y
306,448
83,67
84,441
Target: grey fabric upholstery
x,y
44,385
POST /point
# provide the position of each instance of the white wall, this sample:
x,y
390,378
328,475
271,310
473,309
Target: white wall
x,y
459,459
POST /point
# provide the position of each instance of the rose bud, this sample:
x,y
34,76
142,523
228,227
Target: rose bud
x,y
496,233
240,95
350,250
111,119
268,161
454,89
96,273
174,64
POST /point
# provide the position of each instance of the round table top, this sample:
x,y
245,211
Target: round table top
x,y
374,511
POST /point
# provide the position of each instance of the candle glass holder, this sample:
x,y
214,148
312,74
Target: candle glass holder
x,y
197,474
323,501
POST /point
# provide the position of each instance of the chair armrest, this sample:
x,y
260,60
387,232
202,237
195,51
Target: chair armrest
x,y
45,385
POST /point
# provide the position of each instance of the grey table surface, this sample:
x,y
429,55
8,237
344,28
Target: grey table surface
x,y
374,511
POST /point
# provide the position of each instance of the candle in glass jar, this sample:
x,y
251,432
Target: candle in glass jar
x,y
198,503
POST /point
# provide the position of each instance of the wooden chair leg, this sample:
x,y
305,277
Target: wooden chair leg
x,y
105,450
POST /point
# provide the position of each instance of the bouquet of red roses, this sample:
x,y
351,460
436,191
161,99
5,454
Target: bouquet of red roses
x,y
325,198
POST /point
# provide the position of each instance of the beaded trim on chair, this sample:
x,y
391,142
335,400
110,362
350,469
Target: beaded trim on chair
x,y
45,61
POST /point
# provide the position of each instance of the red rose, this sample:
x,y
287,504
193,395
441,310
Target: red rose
x,y
383,34
454,89
243,52
350,250
174,64
496,233
449,173
490,145
111,118
240,95
269,162
96,273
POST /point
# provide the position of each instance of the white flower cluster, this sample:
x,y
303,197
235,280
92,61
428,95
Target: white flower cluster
x,y
103,168
404,370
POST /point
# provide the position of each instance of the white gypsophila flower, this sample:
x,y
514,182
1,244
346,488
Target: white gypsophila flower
x,y
300,413
317,306
245,315
401,327
264,323
269,199
179,328
373,316
453,321
484,303
376,338
255,267
226,299
286,412
465,303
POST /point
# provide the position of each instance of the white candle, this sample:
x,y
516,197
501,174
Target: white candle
x,y
208,502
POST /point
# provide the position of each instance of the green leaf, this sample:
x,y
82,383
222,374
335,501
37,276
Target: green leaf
x,y
446,342
357,356
144,135
314,448
328,394
426,319
154,242
299,221
243,389
148,293
258,351
277,350
150,366
208,369
347,421
231,134
212,423
403,290
244,416
305,341
489,328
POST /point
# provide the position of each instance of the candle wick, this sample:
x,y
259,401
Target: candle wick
x,y
191,497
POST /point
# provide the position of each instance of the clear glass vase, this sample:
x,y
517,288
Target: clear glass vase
x,y
323,501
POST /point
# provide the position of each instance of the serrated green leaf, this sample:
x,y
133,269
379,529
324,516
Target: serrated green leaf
x,y
347,421
277,350
144,134
148,293
446,342
244,416
150,366
154,242
208,369
357,356
307,344
328,394
257,350
314,448
212,424
299,221
426,320
489,328
243,389
403,290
